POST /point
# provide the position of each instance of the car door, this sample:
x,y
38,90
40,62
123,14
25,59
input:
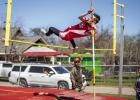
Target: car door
x,y
17,72
35,74
50,78
6,68
38,77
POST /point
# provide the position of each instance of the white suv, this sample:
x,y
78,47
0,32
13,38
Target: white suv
x,y
29,74
5,68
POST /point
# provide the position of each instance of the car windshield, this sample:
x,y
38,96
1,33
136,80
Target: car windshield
x,y
61,70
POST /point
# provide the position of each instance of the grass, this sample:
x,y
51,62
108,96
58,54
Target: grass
x,y
128,80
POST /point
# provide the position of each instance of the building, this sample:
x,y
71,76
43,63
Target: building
x,y
12,52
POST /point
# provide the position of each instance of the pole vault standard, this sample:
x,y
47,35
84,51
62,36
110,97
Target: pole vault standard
x,y
8,22
8,40
114,26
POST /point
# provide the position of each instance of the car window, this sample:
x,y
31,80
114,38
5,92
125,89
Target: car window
x,y
7,65
17,68
47,69
60,70
36,69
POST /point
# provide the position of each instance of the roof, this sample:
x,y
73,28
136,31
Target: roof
x,y
23,47
17,34
18,48
41,51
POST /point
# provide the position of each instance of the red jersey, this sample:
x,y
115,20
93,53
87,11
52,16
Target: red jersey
x,y
80,30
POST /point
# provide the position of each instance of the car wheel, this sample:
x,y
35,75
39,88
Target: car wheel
x,y
63,85
23,83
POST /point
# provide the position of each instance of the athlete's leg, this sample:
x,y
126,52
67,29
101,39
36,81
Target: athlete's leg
x,y
53,30
73,43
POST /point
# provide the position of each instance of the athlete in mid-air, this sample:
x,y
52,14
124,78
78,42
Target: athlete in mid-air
x,y
80,30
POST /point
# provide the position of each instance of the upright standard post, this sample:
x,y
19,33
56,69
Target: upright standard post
x,y
8,19
114,27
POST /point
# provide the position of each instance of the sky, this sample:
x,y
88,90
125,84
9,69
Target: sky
x,y
64,13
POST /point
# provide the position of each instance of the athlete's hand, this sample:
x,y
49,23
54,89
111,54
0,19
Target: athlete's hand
x,y
90,10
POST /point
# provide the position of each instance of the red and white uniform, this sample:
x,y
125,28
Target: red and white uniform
x,y
76,31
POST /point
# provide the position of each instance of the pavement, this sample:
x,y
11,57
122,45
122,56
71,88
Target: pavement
x,y
96,89
109,90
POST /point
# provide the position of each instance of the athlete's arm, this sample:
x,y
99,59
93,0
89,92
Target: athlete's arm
x,y
83,16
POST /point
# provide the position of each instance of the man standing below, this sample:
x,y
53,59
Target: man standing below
x,y
137,85
76,75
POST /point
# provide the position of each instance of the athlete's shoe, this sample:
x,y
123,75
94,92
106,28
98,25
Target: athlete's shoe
x,y
75,50
42,30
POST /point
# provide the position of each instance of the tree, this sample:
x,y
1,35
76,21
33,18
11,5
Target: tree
x,y
129,49
138,48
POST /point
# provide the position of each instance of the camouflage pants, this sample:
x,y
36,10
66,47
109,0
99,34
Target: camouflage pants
x,y
78,85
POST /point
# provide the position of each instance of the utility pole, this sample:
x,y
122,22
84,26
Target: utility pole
x,y
121,50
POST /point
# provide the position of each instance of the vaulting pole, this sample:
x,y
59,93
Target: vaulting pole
x,y
93,63
8,21
93,57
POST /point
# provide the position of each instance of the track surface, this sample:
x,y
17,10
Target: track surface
x,y
19,93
